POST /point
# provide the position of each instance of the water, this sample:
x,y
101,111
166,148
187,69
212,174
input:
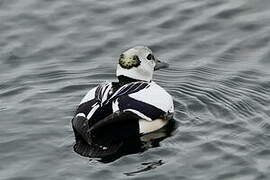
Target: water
x,y
52,52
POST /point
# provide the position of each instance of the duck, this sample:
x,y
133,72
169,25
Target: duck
x,y
113,112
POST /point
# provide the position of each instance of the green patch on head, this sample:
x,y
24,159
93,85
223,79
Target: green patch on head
x,y
129,62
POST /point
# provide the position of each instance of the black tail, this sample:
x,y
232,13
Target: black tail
x,y
84,141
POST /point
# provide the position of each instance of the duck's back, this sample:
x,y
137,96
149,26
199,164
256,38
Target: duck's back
x,y
147,100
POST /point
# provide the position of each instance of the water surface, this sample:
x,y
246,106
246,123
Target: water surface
x,y
52,52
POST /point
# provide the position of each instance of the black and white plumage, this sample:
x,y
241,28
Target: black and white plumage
x,y
115,111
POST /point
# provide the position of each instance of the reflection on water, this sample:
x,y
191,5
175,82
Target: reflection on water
x,y
132,145
148,166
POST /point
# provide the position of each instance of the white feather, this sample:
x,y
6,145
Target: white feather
x,y
150,126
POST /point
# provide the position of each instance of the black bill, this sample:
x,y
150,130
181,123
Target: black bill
x,y
161,65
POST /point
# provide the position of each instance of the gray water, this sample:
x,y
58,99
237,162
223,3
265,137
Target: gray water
x,y
53,52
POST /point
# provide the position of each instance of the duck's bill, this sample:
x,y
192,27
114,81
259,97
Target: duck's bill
x,y
161,65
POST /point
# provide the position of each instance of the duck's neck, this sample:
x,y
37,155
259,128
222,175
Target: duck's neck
x,y
122,81
125,80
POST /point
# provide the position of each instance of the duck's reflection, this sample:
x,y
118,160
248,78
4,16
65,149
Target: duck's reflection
x,y
148,166
128,146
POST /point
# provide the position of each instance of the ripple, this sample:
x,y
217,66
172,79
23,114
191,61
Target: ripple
x,y
230,13
53,52
14,92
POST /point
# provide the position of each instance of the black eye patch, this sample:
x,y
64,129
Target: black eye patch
x,y
149,57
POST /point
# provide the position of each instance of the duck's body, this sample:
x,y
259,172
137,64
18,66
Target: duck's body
x,y
147,100
114,111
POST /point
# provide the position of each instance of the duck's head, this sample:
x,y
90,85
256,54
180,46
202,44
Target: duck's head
x,y
139,63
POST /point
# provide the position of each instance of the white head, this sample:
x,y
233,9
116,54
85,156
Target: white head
x,y
138,63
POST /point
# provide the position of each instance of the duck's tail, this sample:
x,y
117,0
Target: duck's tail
x,y
106,136
84,141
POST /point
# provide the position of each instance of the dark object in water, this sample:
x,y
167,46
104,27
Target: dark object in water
x,y
112,147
